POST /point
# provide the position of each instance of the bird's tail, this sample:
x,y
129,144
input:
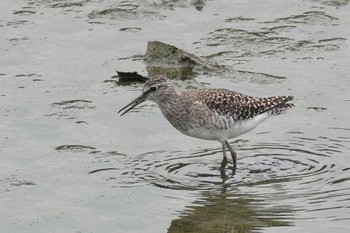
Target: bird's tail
x,y
278,104
281,109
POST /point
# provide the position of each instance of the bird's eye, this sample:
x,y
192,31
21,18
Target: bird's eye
x,y
153,89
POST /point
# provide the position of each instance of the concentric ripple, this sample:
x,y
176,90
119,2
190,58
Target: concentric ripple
x,y
303,175
258,164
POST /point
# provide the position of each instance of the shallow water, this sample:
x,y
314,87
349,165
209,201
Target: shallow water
x,y
69,163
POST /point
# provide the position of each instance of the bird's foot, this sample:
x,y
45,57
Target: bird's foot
x,y
234,168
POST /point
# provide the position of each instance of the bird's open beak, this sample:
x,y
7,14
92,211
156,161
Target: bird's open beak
x,y
133,104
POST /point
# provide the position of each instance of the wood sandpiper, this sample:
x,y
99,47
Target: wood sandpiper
x,y
210,114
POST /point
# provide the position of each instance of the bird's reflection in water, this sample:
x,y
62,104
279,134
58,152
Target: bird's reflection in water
x,y
227,211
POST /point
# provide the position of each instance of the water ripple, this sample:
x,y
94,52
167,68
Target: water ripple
x,y
303,171
259,163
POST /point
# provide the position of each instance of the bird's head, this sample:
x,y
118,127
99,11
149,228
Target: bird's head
x,y
155,89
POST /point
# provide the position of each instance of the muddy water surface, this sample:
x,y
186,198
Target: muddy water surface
x,y
69,163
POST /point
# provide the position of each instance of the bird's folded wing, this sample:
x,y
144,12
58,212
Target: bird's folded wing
x,y
238,105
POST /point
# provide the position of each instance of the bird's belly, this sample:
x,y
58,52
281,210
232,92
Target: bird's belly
x,y
237,129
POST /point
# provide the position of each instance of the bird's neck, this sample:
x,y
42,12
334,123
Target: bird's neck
x,y
172,102
175,108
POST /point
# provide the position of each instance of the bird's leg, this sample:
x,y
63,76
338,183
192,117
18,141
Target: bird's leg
x,y
224,159
233,155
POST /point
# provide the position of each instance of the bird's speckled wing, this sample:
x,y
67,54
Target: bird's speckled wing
x,y
237,105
